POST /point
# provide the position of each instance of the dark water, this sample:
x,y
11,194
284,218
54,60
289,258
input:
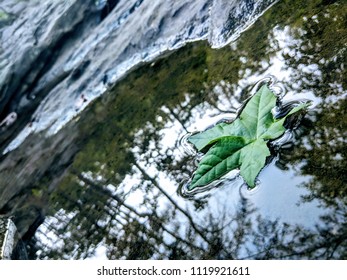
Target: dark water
x,y
113,190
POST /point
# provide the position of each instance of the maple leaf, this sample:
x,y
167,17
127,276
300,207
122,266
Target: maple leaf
x,y
241,144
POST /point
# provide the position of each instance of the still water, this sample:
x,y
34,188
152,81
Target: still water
x,y
121,196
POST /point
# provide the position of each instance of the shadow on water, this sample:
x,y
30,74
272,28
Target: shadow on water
x,y
111,190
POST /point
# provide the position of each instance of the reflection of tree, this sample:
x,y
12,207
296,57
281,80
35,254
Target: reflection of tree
x,y
322,151
322,154
293,242
124,155
132,233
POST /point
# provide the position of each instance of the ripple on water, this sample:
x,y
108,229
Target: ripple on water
x,y
287,139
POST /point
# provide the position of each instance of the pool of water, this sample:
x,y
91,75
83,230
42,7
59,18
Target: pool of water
x,y
115,186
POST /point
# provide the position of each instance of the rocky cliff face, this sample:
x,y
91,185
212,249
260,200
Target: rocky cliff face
x,y
58,56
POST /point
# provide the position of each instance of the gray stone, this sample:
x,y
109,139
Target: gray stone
x,y
7,238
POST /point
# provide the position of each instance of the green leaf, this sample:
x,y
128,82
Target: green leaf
x,y
241,144
253,158
254,119
220,159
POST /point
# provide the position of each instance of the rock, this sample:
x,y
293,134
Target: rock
x,y
11,245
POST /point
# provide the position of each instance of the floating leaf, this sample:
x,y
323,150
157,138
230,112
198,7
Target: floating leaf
x,y
241,144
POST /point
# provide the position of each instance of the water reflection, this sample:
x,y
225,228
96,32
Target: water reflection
x,y
118,197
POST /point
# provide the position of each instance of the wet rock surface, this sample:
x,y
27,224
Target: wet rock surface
x,y
11,246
